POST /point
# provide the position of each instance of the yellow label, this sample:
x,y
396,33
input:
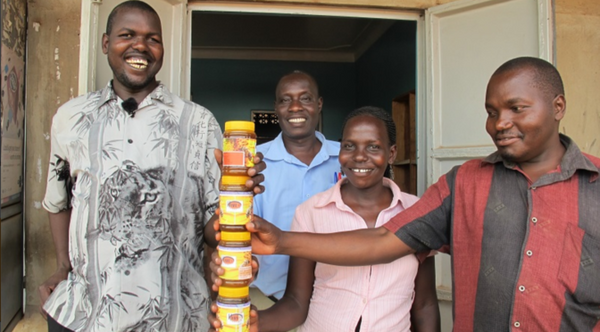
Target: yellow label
x,y
235,208
234,317
236,262
239,152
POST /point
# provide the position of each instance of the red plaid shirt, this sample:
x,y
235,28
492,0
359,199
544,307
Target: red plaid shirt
x,y
525,256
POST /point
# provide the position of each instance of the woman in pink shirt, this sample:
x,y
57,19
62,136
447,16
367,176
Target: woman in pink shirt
x,y
399,296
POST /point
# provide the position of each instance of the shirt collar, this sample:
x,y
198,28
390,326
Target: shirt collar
x,y
335,195
277,149
572,160
160,93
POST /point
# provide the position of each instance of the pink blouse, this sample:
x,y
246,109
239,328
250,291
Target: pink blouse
x,y
381,294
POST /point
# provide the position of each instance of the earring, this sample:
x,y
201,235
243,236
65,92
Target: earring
x,y
391,172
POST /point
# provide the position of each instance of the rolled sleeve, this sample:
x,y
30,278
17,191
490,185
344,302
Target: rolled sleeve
x,y
426,225
56,198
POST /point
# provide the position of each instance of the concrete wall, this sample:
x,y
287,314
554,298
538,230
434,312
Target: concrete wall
x,y
578,51
52,69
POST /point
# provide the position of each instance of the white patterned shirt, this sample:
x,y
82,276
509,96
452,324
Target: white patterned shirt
x,y
143,189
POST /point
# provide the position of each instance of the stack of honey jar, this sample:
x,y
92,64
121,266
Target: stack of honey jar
x,y
235,251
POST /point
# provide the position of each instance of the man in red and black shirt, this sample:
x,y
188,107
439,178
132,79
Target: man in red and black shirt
x,y
522,225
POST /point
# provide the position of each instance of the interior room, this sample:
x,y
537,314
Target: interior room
x,y
237,60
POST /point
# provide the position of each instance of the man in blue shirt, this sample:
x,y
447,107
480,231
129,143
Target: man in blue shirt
x,y
300,163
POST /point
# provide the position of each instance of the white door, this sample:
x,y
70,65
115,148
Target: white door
x,y
94,71
466,41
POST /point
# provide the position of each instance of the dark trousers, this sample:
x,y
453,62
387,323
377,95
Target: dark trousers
x,y
53,326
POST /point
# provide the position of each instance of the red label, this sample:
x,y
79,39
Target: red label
x,y
234,158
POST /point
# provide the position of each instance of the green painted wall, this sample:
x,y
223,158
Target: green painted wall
x,y
232,88
388,68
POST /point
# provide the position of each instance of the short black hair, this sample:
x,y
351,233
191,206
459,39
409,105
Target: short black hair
x,y
546,77
131,4
378,113
294,72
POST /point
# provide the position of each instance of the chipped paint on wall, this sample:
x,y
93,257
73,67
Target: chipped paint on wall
x,y
52,69
577,49
38,172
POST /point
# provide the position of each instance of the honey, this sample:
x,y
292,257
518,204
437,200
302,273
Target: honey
x,y
239,147
233,305
235,203
236,258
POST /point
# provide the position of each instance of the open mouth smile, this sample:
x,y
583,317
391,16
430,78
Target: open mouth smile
x,y
137,63
361,170
297,120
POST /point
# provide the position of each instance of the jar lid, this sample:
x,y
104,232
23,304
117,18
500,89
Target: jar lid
x,y
239,125
235,236
233,180
234,291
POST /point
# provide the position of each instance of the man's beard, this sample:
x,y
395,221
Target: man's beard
x,y
129,84
507,156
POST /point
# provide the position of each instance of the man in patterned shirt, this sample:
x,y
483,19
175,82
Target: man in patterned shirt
x,y
133,182
522,225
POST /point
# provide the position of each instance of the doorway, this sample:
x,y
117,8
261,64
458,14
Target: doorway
x,y
237,59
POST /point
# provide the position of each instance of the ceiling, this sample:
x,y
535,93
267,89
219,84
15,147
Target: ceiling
x,y
283,37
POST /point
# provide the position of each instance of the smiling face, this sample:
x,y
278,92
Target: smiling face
x,y
134,50
297,104
522,118
365,151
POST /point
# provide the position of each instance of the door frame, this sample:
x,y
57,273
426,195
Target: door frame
x,y
431,149
335,11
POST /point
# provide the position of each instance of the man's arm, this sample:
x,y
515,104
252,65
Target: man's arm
x,y
59,226
210,234
426,224
360,247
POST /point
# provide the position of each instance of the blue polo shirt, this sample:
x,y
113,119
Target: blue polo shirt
x,y
288,183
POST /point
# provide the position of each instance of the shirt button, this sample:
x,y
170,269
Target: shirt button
x,y
517,324
130,141
533,188
534,220
364,301
522,288
529,253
